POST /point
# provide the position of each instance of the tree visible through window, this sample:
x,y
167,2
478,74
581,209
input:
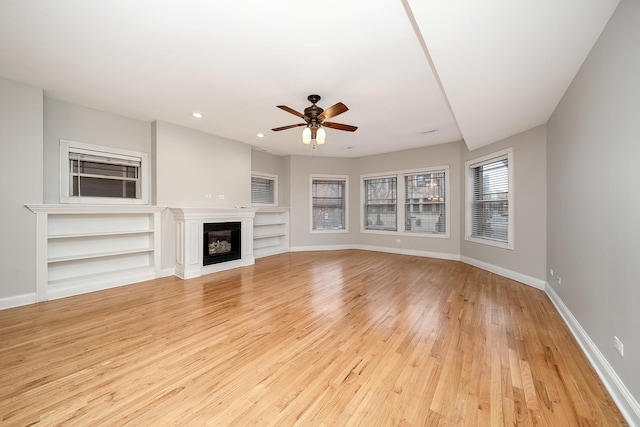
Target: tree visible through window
x,y
380,199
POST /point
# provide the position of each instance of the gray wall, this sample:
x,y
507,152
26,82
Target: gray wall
x,y
593,200
22,180
530,223
63,120
191,164
438,155
277,165
301,168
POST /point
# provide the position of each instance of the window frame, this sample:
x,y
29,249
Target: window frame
x,y
329,177
506,154
68,147
401,201
269,176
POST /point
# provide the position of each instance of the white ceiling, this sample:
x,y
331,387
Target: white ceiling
x,y
481,71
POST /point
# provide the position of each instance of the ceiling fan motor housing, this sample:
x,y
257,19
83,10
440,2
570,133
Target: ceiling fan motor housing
x,y
314,111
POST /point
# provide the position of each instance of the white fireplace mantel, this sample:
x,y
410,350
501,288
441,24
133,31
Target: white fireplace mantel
x,y
189,232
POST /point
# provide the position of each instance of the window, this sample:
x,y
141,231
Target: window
x,y
425,203
411,202
380,201
102,175
489,213
328,203
264,189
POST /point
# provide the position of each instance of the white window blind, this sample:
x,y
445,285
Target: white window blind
x,y
263,190
490,199
328,204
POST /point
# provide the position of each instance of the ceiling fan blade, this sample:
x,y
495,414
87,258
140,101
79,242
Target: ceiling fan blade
x,y
340,126
288,127
294,112
333,111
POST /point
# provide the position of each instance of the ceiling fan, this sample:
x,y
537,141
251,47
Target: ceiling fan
x,y
314,118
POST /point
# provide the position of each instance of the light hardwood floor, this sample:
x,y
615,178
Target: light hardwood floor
x,y
312,339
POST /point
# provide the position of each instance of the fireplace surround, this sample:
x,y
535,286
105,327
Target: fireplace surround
x,y
190,242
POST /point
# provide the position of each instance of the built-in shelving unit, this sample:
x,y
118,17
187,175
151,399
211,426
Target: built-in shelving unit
x,y
84,248
271,231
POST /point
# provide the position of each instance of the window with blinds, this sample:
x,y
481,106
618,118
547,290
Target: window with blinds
x,y
328,203
264,189
102,175
489,213
380,203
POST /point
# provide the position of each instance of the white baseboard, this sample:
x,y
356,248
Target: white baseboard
x,y
509,274
627,404
426,254
321,248
17,300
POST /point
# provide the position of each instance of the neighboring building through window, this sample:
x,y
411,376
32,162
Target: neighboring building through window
x,y
489,212
407,202
380,203
329,203
264,189
425,203
102,175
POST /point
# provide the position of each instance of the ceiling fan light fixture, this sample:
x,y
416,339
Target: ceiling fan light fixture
x,y
320,136
306,136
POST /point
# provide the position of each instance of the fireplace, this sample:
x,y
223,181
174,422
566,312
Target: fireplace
x,y
221,242
190,241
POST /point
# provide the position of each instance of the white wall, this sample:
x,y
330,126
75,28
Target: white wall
x,y
593,198
63,120
527,261
22,180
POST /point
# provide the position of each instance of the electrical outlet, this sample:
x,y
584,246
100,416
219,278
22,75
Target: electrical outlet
x,y
207,196
397,240
618,345
221,197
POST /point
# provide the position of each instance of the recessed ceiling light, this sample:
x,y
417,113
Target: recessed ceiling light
x,y
197,115
260,135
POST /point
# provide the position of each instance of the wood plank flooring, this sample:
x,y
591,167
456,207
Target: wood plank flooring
x,y
342,338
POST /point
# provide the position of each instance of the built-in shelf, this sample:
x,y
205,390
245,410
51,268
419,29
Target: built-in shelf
x,y
105,233
271,231
84,248
97,255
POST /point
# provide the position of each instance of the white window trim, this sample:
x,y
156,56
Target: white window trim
x,y
73,146
321,177
468,165
272,177
400,201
